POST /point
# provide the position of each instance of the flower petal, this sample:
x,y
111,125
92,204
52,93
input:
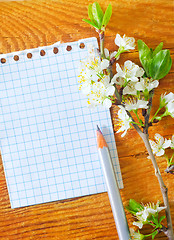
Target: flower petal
x,y
118,40
119,70
138,224
153,145
107,103
113,80
133,79
104,64
166,143
155,83
159,138
159,209
128,64
110,91
160,152
106,51
140,72
139,86
122,135
169,97
113,55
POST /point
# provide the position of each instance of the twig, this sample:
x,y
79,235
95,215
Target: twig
x,y
102,37
164,190
147,115
170,169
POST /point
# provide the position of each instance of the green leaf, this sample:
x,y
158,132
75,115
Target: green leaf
x,y
90,13
154,234
107,15
135,206
155,219
97,14
91,23
158,48
152,224
151,50
145,55
161,218
130,210
160,64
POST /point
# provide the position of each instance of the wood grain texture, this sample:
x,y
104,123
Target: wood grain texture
x,y
30,24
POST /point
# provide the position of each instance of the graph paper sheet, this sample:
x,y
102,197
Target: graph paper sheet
x,y
48,139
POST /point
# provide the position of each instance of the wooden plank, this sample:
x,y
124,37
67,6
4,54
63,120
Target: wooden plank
x,y
30,24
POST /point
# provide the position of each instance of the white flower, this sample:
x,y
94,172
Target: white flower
x,y
100,93
110,55
130,72
139,224
107,103
125,42
92,67
160,144
172,142
147,212
135,104
146,83
166,98
168,102
118,80
130,89
91,71
136,235
124,121
170,108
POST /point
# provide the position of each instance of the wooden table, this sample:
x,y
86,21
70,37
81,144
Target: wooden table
x,y
31,24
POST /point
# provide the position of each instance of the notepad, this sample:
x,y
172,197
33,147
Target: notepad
x,y
48,139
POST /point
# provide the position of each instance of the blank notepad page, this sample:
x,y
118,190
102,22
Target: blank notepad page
x,y
48,134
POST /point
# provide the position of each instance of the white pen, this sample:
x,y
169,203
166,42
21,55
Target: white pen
x,y
112,187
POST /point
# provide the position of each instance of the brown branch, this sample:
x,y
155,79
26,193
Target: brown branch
x,y
147,113
145,137
164,190
102,38
170,169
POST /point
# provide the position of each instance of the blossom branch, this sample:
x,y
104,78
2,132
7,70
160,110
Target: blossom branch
x,y
102,38
136,92
164,190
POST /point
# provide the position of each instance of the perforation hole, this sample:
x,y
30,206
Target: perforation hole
x,y
82,45
42,53
29,55
68,48
55,50
16,58
3,60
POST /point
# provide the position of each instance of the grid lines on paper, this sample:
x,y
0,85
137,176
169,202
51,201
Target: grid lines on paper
x,y
47,132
